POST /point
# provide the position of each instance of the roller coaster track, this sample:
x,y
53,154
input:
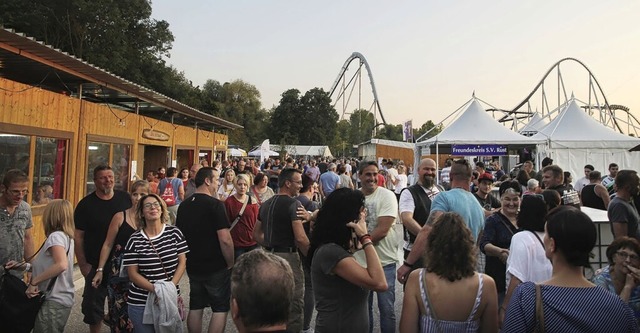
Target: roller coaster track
x,y
357,75
607,111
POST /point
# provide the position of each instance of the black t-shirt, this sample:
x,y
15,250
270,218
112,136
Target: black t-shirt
x,y
199,218
489,203
93,216
276,215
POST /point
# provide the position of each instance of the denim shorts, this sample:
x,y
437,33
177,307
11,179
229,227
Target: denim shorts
x,y
213,290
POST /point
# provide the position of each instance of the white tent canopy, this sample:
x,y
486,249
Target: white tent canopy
x,y
574,139
476,126
256,153
536,123
295,150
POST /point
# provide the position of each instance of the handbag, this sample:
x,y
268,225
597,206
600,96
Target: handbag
x,y
182,310
17,311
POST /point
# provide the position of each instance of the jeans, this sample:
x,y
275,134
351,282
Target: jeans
x,y
386,302
135,315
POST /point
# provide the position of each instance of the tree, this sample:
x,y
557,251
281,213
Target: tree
x,y
362,122
428,126
119,36
239,102
390,132
284,122
308,120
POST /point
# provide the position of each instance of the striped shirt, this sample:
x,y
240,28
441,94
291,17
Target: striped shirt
x,y
568,310
169,244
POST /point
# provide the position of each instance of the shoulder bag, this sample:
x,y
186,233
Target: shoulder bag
x,y
244,205
17,311
181,307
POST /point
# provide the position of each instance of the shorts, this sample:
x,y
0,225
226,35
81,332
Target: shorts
x,y
213,290
52,317
93,300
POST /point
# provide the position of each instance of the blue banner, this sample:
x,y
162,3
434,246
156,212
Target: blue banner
x,y
478,150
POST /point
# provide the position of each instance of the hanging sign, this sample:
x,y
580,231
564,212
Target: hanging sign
x,y
478,150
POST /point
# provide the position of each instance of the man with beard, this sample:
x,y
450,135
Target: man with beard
x,y
280,231
459,200
415,204
622,214
382,211
92,218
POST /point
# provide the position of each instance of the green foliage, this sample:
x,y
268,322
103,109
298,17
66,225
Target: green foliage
x,y
428,126
306,120
362,122
390,132
239,102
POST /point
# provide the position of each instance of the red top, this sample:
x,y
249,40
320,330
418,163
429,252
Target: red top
x,y
242,233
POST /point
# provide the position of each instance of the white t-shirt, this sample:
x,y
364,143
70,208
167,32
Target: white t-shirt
x,y
381,202
392,175
527,260
402,183
580,183
63,289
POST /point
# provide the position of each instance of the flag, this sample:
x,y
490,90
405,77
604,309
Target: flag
x,y
264,150
407,131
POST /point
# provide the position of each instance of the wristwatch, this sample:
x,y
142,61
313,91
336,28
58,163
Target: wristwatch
x,y
100,269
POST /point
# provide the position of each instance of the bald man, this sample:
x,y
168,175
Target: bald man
x,y
415,203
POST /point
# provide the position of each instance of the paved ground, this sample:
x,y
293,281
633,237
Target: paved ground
x,y
75,323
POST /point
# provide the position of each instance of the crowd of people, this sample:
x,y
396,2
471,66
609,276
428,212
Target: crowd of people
x,y
272,242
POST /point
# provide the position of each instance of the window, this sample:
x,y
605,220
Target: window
x,y
44,162
118,156
49,175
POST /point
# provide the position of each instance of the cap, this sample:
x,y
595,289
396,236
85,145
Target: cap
x,y
485,176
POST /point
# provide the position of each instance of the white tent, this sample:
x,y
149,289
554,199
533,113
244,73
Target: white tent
x,y
536,123
476,126
236,152
256,153
473,126
574,139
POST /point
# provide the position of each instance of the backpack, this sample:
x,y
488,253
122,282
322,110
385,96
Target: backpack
x,y
168,195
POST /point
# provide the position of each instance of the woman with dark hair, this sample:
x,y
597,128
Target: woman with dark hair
x,y
260,192
155,256
499,228
340,285
527,260
622,275
551,198
523,179
448,295
184,176
568,302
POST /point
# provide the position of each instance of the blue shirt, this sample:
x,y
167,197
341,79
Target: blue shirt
x,y
464,203
329,181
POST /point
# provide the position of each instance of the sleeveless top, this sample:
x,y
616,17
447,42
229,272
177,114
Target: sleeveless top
x,y
430,324
590,198
124,232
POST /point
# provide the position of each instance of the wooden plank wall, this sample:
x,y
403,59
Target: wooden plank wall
x,y
30,110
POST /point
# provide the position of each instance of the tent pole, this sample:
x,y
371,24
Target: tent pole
x,y
437,163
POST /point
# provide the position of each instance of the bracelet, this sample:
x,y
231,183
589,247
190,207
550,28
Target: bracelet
x,y
407,264
31,284
99,269
367,243
361,239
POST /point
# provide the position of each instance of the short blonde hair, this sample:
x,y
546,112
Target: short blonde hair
x,y
244,177
58,216
164,215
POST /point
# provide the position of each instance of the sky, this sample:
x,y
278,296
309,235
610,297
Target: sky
x,y
427,57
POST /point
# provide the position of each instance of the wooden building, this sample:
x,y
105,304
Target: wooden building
x,y
379,148
60,117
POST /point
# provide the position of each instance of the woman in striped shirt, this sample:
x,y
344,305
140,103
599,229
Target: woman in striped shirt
x,y
156,252
568,301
